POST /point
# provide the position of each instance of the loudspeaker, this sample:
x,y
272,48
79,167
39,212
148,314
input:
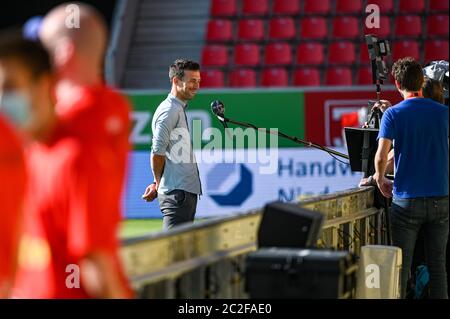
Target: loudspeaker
x,y
289,225
273,273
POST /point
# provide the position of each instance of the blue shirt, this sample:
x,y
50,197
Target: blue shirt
x,y
171,138
419,129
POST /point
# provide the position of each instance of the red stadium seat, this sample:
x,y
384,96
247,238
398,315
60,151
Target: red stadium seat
x,y
310,53
349,6
243,78
408,6
219,30
383,31
363,54
246,54
255,7
282,28
346,27
438,5
341,53
274,77
386,6
223,8
436,50
214,55
307,77
212,79
437,25
251,30
408,26
405,48
313,28
289,7
365,75
338,76
278,54
317,6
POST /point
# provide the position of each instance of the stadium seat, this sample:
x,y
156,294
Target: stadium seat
x,y
408,6
386,6
212,79
278,54
288,7
223,8
341,53
274,77
313,28
255,7
214,55
310,53
383,31
246,54
281,28
405,48
437,25
243,78
307,77
317,7
251,30
338,76
436,50
346,27
363,54
365,75
349,6
438,5
408,26
219,31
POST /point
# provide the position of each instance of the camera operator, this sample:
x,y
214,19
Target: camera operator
x,y
434,87
419,128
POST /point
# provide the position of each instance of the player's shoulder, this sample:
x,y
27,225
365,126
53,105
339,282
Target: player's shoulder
x,y
9,140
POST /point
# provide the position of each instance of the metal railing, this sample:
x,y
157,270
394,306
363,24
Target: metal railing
x,y
206,259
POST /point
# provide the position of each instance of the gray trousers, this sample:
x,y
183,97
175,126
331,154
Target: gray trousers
x,y
177,207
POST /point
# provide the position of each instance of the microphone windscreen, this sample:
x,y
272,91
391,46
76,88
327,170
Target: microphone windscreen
x,y
218,108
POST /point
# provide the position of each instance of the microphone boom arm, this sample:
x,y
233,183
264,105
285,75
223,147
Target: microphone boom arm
x,y
295,139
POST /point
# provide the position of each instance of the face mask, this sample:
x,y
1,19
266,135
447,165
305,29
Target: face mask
x,y
16,106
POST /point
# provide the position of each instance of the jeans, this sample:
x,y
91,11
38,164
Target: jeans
x,y
178,207
407,217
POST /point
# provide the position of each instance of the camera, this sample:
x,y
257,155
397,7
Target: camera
x,y
378,49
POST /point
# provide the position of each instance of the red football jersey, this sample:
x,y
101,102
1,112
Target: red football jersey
x,y
12,191
73,203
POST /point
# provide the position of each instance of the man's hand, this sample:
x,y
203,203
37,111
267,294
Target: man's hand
x,y
151,192
384,185
383,105
368,181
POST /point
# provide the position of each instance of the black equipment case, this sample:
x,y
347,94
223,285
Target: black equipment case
x,y
300,273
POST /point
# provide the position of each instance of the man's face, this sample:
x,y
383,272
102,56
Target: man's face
x,y
20,95
189,85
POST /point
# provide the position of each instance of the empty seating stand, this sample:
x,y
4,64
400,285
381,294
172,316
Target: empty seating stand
x,y
315,42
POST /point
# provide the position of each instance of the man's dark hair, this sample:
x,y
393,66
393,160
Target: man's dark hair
x,y
432,89
408,73
30,53
180,65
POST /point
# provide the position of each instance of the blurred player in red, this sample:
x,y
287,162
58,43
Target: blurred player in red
x,y
12,191
98,118
70,246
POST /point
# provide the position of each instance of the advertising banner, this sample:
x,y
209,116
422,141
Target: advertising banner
x,y
240,186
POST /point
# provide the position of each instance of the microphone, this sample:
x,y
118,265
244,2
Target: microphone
x,y
218,108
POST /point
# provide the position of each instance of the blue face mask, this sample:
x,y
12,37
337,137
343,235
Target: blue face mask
x,y
16,106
